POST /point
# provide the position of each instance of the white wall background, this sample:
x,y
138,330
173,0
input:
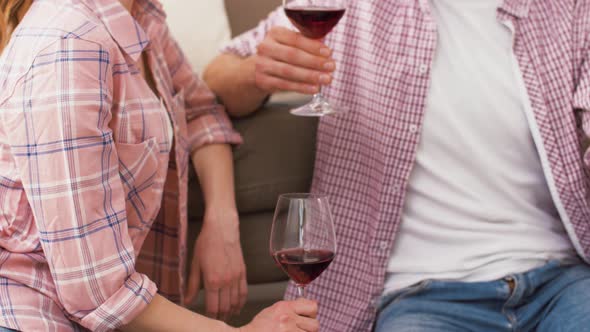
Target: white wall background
x,y
200,26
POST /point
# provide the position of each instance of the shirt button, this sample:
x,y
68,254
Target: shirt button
x,y
375,304
423,69
383,245
413,129
376,301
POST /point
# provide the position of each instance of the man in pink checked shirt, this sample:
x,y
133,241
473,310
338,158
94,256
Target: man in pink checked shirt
x,y
459,175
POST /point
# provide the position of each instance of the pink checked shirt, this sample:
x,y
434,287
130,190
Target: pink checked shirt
x,y
89,175
384,50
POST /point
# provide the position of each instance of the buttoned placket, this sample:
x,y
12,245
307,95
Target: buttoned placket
x,y
385,236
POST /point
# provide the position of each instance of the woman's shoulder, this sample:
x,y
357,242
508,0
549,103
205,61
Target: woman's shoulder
x,y
49,21
51,28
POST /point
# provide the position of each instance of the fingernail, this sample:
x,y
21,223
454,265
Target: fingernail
x,y
329,66
325,79
312,89
325,51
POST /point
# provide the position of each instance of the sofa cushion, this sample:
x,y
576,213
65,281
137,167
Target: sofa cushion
x,y
200,27
244,15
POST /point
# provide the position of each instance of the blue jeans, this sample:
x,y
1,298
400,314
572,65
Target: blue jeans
x,y
553,298
3,329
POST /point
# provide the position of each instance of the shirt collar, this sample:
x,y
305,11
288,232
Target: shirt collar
x,y
124,28
517,8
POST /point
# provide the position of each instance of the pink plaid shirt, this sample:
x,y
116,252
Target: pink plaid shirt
x,y
384,51
89,177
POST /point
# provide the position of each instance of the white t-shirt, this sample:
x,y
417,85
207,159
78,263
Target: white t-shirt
x,y
478,205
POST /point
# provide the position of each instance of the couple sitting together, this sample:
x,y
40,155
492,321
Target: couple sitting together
x,y
459,176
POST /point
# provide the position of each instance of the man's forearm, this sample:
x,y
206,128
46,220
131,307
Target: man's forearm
x,y
232,79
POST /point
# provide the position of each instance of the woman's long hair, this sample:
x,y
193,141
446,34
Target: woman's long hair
x,y
10,11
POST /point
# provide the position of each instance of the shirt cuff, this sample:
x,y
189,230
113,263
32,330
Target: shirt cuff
x,y
241,47
123,306
211,128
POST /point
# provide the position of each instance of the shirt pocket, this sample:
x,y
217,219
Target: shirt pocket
x,y
142,182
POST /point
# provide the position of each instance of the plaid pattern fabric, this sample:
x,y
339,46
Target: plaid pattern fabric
x,y
92,189
384,51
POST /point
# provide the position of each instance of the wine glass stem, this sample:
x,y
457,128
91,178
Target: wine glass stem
x,y
318,102
300,291
318,97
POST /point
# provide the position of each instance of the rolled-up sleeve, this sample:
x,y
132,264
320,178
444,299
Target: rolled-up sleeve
x,y
68,162
246,44
207,121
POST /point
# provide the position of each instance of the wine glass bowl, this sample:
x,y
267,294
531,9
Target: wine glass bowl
x,y
314,22
315,19
303,241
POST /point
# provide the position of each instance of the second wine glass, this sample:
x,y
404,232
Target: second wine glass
x,y
315,19
302,240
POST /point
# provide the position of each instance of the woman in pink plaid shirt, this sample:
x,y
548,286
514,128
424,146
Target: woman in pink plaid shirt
x,y
99,116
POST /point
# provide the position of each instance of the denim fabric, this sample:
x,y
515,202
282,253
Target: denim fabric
x,y
3,329
552,298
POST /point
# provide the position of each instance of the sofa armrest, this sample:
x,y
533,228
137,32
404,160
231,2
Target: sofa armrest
x,y
244,15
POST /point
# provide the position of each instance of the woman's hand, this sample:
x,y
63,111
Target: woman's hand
x,y
218,263
286,316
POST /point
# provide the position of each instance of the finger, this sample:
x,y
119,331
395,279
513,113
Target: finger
x,y
287,324
194,282
307,324
273,84
234,298
295,56
304,307
297,40
224,303
243,291
212,303
292,73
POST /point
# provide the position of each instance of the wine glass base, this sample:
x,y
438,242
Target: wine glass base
x,y
315,109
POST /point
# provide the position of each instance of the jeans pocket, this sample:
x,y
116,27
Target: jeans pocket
x,y
401,294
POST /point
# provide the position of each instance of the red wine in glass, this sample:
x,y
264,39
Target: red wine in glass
x,y
304,266
302,238
315,19
314,22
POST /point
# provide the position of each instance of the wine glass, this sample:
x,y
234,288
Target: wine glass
x,y
315,19
302,239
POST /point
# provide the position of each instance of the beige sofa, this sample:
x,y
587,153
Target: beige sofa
x,y
277,157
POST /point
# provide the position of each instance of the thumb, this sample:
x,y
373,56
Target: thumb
x,y
194,283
